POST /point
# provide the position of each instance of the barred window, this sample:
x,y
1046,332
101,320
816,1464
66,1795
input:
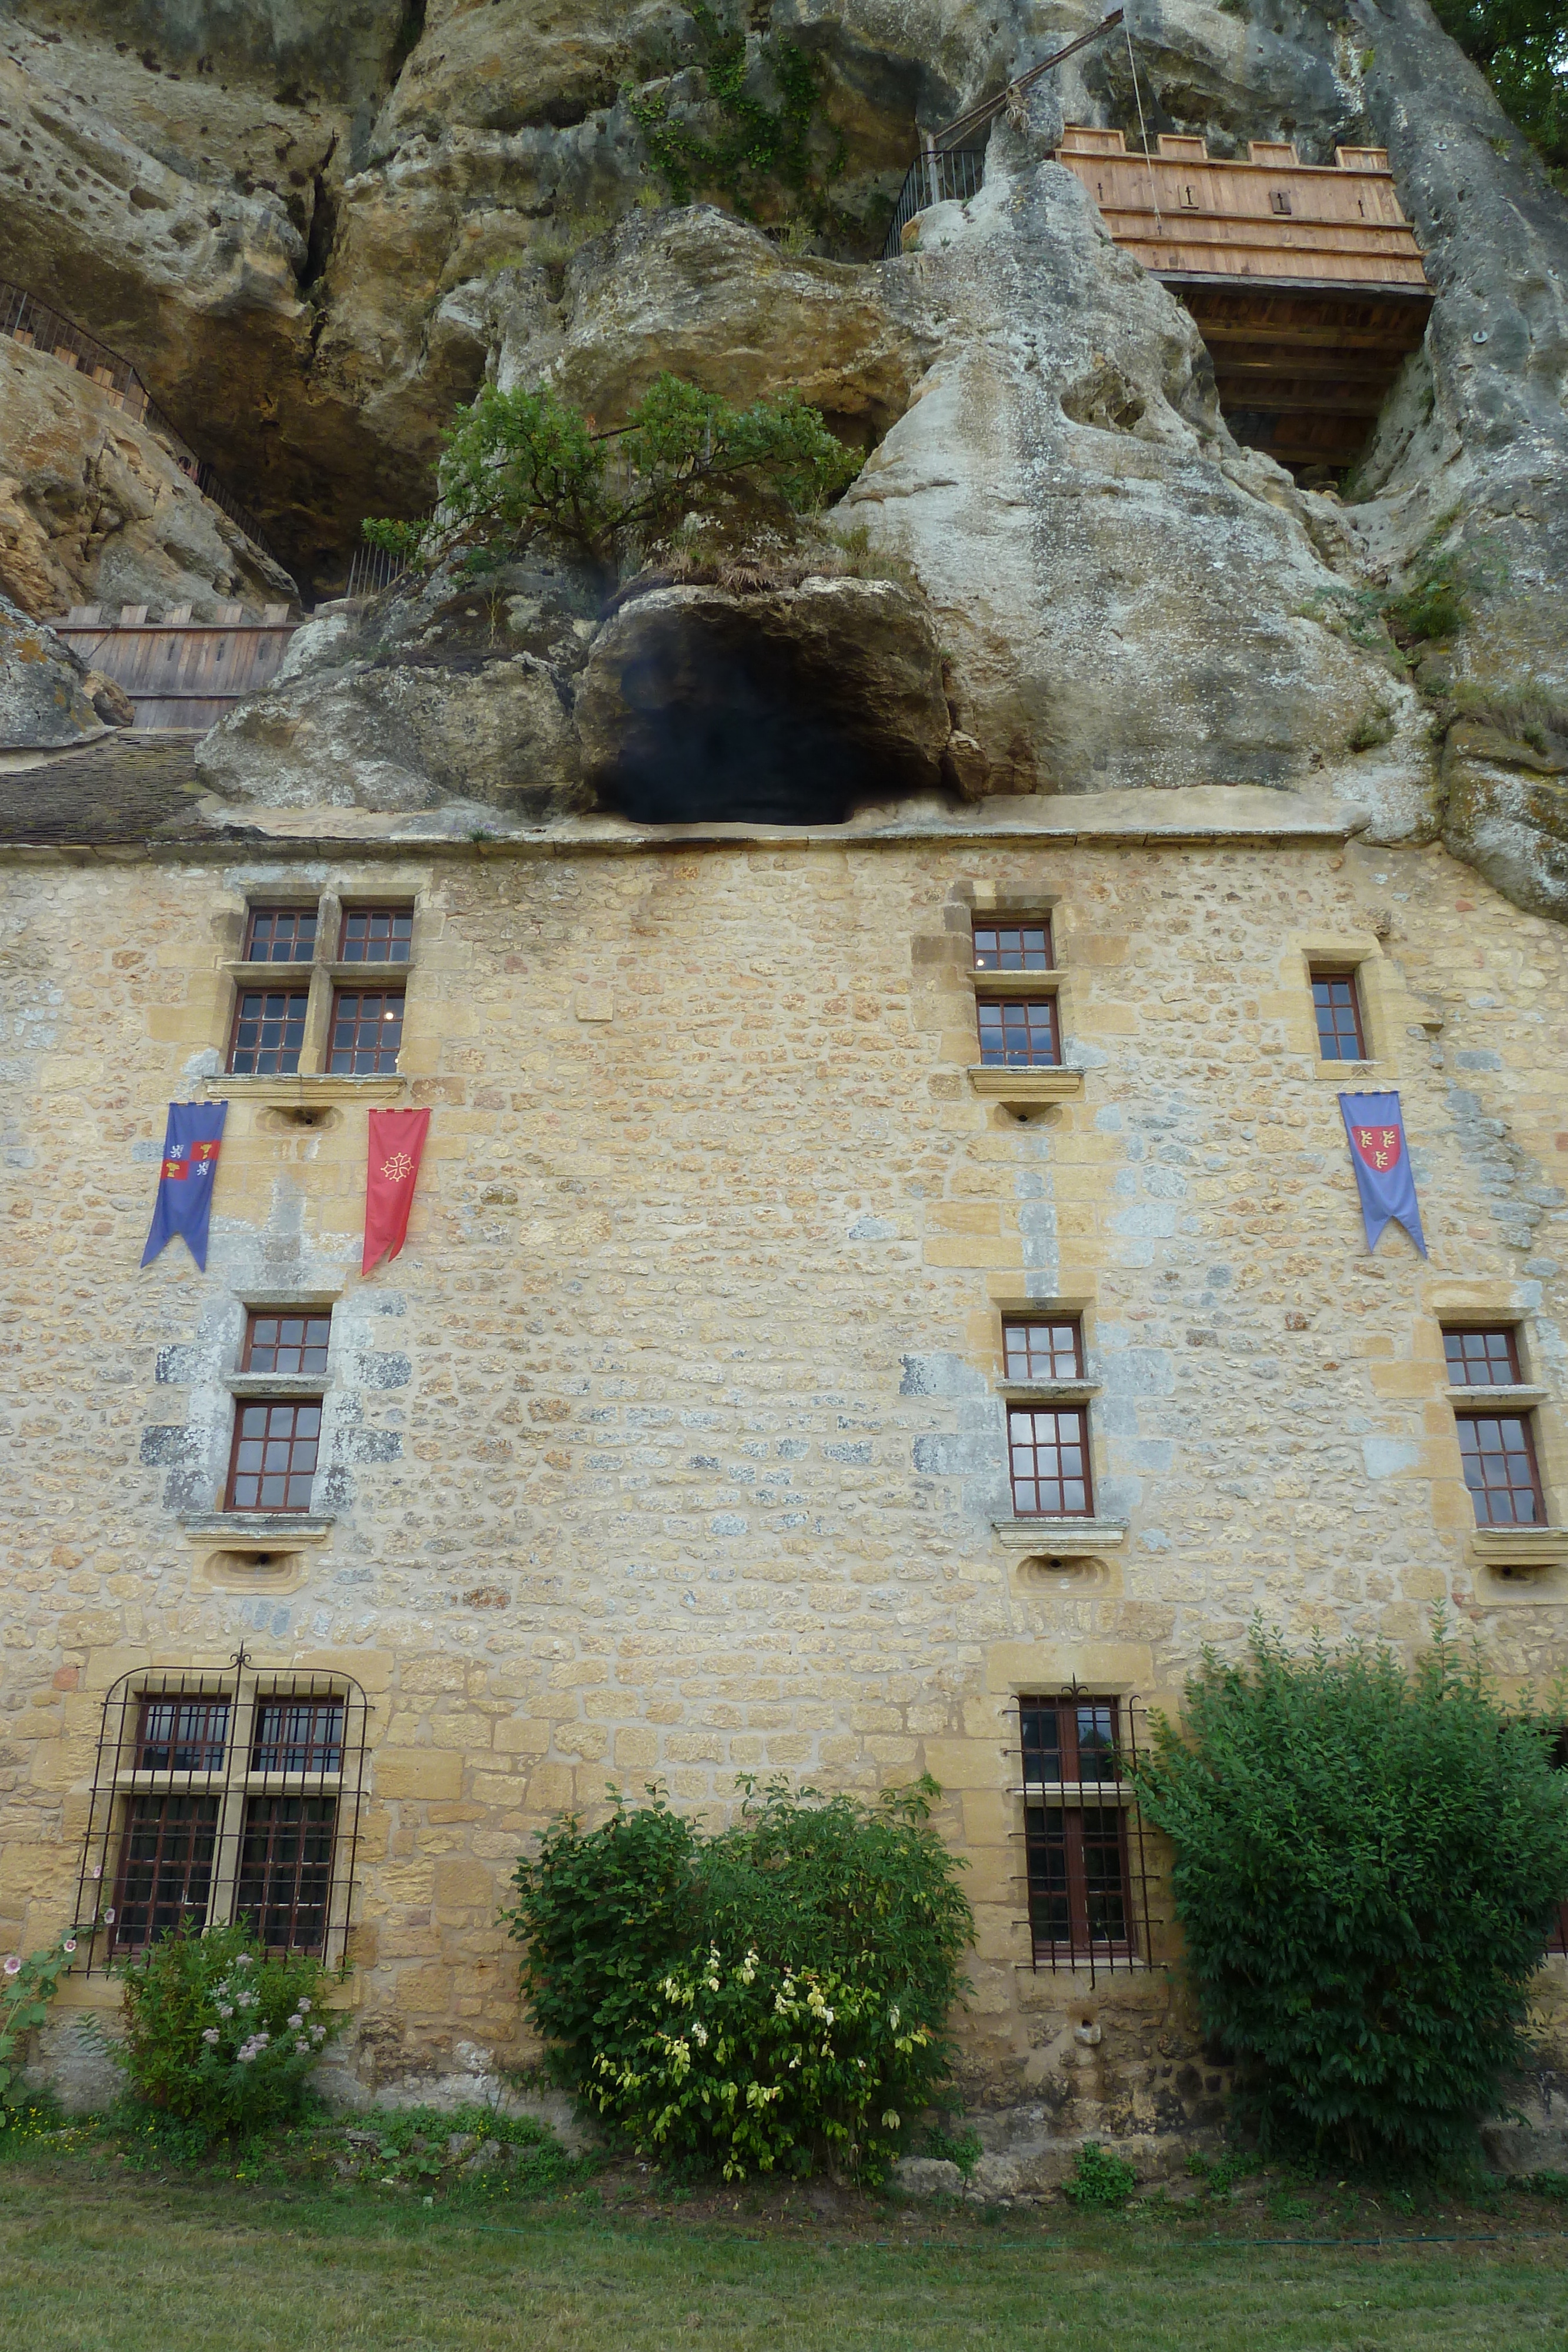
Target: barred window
x,y
268,1031
219,1798
1019,1036
1084,1868
366,1030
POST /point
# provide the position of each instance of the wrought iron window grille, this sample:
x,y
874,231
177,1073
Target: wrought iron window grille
x,y
1087,1871
219,1796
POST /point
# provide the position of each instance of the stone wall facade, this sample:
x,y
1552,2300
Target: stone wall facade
x,y
671,1446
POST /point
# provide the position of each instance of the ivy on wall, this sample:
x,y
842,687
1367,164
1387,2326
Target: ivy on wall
x,y
762,152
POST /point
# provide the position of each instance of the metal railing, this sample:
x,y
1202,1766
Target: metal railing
x,y
929,180
940,176
1087,1870
31,322
373,570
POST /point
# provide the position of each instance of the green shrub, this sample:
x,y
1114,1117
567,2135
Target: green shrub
x,y
520,462
1100,2178
964,2148
1367,1866
219,2036
26,1988
766,1997
412,2146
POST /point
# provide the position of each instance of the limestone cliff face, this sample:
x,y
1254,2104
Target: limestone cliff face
x,y
316,231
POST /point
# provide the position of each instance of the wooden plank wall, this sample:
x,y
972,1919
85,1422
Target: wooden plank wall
x,y
180,673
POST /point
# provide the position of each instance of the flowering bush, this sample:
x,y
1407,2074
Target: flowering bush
x,y
764,1997
749,2063
220,2034
26,1988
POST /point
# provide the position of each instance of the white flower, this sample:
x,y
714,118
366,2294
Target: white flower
x,y
699,2035
827,2017
97,1870
303,2005
109,1917
68,1944
13,1965
226,2009
296,2021
247,1999
317,2033
211,2034
244,1961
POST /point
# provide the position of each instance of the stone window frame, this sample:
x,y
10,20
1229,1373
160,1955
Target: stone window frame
x,y
321,980
1079,1951
1353,955
260,1549
1022,1090
1073,1537
1519,1565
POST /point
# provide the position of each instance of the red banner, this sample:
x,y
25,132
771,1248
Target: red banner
x,y
392,1171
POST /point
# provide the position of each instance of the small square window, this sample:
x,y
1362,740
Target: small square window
x,y
1047,1459
1498,1456
1278,202
1020,1036
1336,1003
298,1734
376,935
1014,946
273,1466
268,1031
183,1734
366,1030
1481,1359
280,935
285,1343
1046,1350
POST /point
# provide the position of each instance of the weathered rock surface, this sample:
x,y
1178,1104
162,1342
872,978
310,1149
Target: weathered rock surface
x,y
93,508
44,699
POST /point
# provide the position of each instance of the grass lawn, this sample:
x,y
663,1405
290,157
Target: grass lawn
x,y
96,2259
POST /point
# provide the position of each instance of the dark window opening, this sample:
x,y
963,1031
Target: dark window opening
x,y
268,1031
1014,946
182,1735
1047,1459
285,1343
376,935
280,935
284,1882
272,1465
165,1870
366,1030
1498,1456
1043,1350
1018,1037
1279,201
298,1734
1336,1003
1481,1359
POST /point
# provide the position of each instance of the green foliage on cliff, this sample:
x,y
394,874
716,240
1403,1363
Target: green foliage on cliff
x,y
1368,1863
762,150
521,462
1521,46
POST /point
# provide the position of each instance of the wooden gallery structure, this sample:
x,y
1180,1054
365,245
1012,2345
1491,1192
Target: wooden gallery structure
x,y
1305,280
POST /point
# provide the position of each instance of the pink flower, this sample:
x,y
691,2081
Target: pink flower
x,y
13,1965
109,1916
97,1870
70,1944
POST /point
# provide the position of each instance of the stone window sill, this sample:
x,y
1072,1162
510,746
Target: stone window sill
x,y
259,1531
1061,1538
1024,1087
1515,1397
1047,1392
306,1087
275,1384
1017,983
1519,1548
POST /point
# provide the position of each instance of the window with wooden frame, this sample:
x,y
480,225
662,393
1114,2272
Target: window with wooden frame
x,y
1019,1032
376,935
1084,1868
277,1342
268,1031
1047,1349
1048,1461
224,1797
1336,1008
272,1462
1482,1359
1497,1454
279,934
366,1033
1014,946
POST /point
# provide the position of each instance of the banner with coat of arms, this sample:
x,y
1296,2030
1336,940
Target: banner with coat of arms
x,y
1381,1158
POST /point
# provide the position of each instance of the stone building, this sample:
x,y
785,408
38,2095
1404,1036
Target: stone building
x,y
886,1284
676,1443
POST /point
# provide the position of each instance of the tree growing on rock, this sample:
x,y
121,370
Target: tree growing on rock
x,y
519,463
